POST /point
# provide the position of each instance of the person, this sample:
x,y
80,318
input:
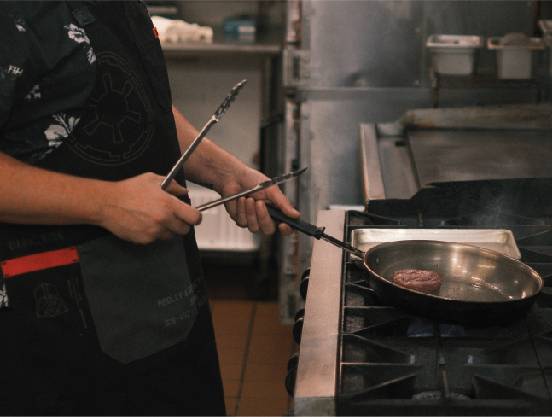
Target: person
x,y
103,307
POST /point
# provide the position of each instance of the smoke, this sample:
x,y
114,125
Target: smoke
x,y
491,203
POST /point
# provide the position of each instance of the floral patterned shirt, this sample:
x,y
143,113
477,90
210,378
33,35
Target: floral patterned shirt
x,y
47,72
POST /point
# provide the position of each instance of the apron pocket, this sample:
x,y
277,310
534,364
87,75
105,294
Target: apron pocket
x,y
140,296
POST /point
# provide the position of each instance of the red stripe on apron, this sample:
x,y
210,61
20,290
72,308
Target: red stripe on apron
x,y
39,261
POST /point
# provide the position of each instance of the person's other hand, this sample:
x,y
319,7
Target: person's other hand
x,y
251,211
138,210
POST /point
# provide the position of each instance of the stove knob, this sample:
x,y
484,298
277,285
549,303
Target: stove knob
x,y
304,285
298,325
293,363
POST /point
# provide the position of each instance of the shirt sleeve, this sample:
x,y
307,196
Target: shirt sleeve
x,y
17,71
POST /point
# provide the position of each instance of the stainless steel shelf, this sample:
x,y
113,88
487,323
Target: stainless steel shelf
x,y
265,43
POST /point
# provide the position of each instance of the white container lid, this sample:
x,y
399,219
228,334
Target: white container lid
x,y
513,41
454,41
546,26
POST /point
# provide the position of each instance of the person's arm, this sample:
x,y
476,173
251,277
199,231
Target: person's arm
x,y
212,166
135,209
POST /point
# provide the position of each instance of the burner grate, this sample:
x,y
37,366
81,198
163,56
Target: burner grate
x,y
395,363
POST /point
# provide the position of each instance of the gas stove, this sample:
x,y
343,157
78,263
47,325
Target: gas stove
x,y
359,357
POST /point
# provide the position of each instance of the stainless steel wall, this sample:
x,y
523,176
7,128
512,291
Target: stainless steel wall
x,y
368,62
381,42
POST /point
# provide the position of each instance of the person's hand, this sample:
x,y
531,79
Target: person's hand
x,y
138,210
251,211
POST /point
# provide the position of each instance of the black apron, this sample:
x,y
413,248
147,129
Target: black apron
x,y
128,301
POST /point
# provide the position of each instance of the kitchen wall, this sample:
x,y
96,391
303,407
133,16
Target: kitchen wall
x,y
366,61
199,83
202,76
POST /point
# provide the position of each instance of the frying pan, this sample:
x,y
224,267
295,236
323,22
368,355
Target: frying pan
x,y
479,286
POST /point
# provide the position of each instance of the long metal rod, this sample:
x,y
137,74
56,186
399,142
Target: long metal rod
x,y
176,167
215,118
218,202
343,245
261,186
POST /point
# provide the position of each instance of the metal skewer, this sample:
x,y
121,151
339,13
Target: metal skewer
x,y
215,118
261,186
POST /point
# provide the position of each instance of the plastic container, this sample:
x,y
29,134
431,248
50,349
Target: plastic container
x,y
453,54
514,55
240,26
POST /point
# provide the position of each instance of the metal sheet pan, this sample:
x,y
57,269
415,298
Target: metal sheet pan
x,y
499,240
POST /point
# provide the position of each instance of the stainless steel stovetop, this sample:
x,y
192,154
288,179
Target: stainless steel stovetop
x,y
428,146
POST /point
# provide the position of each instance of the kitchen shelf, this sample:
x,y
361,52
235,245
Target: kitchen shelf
x,y
265,43
480,81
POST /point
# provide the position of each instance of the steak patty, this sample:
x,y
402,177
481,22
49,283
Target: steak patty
x,y
418,279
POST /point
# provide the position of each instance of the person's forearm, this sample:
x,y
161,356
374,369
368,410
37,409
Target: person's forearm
x,y
30,195
209,165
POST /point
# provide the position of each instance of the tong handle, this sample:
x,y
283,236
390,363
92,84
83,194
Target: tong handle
x,y
296,224
312,230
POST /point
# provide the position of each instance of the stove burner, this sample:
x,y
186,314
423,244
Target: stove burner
x,y
437,395
451,330
420,327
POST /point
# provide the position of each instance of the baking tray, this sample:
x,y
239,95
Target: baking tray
x,y
499,240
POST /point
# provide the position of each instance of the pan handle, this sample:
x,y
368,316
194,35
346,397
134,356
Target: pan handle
x,y
297,224
312,230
